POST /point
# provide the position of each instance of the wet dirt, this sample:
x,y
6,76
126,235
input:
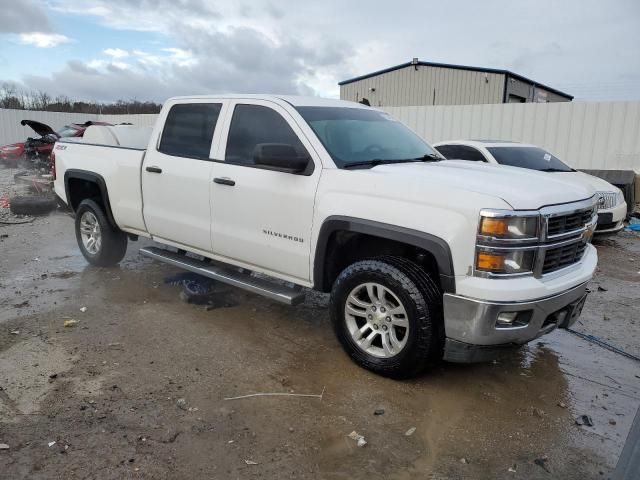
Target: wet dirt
x,y
106,390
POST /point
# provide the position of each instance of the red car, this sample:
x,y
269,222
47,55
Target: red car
x,y
38,149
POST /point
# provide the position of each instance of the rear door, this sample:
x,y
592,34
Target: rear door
x,y
176,176
262,217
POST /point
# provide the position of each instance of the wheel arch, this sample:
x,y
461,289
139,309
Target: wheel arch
x,y
433,245
74,198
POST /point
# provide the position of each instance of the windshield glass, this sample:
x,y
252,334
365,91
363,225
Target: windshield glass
x,y
355,135
67,131
532,158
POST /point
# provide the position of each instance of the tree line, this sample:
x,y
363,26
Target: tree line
x,y
14,98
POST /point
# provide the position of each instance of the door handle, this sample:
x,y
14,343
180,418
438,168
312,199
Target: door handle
x,y
154,169
224,181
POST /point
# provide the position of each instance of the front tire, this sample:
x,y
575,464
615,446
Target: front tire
x,y
387,314
100,243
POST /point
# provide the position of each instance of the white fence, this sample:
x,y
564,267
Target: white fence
x,y
11,131
594,135
602,135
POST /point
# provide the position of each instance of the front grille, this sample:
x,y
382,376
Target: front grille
x,y
560,257
562,239
560,224
606,200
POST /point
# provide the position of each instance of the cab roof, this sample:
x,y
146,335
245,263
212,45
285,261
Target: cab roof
x,y
294,100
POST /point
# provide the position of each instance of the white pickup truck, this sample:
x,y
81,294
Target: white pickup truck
x,y
424,258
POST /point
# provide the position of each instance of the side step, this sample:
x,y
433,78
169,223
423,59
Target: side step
x,y
274,291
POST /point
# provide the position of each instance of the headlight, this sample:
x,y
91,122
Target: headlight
x,y
508,227
507,242
504,261
619,197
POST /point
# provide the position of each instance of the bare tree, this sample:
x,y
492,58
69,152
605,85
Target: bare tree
x,y
12,97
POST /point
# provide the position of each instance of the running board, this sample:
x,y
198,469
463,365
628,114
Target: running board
x,y
266,288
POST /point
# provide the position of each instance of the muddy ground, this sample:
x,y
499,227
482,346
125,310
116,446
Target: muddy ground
x,y
107,391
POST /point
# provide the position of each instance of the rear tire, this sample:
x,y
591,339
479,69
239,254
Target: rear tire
x,y
387,314
100,243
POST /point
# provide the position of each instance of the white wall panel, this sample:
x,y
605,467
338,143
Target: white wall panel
x,y
595,135
600,135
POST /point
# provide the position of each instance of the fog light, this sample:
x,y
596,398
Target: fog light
x,y
561,317
506,318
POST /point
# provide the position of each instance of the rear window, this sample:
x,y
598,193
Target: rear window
x,y
533,158
188,130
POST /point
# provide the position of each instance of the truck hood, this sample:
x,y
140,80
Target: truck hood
x,y
41,129
585,179
521,188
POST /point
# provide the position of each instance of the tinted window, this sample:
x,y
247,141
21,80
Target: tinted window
x,y
359,135
460,152
188,130
252,125
533,158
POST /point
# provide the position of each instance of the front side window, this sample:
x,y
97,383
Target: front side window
x,y
461,152
254,125
533,158
188,130
354,136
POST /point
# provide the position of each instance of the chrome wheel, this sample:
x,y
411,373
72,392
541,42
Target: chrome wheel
x,y
376,320
90,233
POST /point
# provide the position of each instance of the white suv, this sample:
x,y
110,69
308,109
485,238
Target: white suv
x,y
612,208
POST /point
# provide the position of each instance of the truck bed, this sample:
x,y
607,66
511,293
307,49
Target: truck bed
x,y
117,167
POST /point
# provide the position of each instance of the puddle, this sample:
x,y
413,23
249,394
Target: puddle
x,y
601,384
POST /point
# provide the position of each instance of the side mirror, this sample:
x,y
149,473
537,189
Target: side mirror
x,y
280,156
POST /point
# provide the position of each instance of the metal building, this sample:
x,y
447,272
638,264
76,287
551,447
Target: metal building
x,y
427,83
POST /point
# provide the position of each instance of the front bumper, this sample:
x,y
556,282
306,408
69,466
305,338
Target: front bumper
x,y
10,157
473,334
611,220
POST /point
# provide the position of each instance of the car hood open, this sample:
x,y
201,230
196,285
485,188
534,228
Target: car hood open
x,y
41,129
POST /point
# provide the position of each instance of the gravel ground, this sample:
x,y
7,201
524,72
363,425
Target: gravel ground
x,y
137,387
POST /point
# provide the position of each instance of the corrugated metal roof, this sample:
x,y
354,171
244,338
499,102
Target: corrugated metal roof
x,y
457,67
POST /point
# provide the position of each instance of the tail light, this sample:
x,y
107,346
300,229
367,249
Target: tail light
x,y
52,157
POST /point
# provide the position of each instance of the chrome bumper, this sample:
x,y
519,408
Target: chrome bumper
x,y
473,333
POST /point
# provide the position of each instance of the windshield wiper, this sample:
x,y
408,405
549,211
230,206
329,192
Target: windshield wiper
x,y
553,170
429,157
375,162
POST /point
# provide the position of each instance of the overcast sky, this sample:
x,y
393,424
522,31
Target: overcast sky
x,y
153,49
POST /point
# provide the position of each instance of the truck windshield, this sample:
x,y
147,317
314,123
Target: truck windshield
x,y
358,136
532,158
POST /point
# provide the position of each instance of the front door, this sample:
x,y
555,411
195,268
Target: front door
x,y
262,217
176,177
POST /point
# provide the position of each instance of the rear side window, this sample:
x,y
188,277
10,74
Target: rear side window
x,y
460,152
188,130
252,125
